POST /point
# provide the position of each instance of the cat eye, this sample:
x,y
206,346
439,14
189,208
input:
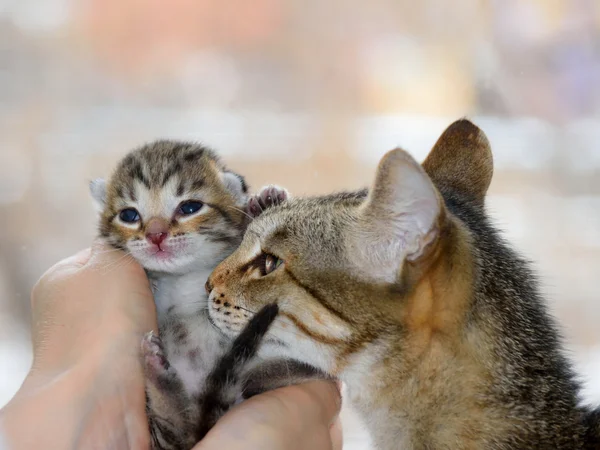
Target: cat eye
x,y
271,263
129,215
189,207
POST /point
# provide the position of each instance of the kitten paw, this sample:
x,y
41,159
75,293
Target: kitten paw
x,y
155,361
265,198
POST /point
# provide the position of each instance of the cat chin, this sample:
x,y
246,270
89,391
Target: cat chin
x,y
167,263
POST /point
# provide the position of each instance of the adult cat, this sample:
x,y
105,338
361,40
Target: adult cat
x,y
409,295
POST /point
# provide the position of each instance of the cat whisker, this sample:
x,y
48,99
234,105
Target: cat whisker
x,y
275,326
240,210
119,265
214,326
121,262
113,250
261,208
110,264
246,309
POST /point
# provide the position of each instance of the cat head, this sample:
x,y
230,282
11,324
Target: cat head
x,y
349,270
173,205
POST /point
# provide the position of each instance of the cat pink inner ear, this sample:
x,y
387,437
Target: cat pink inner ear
x,y
399,218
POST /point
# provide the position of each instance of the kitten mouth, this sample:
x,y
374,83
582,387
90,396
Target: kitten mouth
x,y
162,253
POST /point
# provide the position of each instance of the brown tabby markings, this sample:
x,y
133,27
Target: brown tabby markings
x,y
410,296
194,168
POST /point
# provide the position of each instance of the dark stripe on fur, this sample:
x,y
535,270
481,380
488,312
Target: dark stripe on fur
x,y
313,335
174,168
137,173
221,211
226,375
310,291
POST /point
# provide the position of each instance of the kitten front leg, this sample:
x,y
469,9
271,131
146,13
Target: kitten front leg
x,y
265,198
170,417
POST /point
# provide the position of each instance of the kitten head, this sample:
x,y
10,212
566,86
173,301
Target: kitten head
x,y
348,270
173,205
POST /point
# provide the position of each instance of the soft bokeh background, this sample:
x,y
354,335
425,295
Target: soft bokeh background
x,y
307,94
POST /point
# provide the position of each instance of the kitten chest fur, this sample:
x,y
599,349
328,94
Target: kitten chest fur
x,y
184,292
192,343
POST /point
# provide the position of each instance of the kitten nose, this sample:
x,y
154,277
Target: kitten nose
x,y
157,238
157,230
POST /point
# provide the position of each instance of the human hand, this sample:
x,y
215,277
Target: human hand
x,y
86,384
301,417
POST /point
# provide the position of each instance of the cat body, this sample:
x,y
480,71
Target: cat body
x,y
179,212
409,295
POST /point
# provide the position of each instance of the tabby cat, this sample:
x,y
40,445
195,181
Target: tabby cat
x,y
408,294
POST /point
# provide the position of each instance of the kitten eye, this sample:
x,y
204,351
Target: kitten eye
x,y
191,207
271,263
129,215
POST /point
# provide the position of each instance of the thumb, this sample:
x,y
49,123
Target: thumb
x,y
293,417
105,255
321,398
104,252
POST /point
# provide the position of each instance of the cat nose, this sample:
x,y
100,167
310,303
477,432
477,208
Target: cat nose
x,y
157,238
208,286
157,230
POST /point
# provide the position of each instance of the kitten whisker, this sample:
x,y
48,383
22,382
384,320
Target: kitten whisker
x,y
115,262
121,262
240,210
104,252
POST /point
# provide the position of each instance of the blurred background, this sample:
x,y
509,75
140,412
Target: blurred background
x,y
307,94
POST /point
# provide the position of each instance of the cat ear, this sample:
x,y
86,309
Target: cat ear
x,y
98,191
235,184
461,161
399,219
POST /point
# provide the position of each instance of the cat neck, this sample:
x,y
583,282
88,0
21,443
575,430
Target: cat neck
x,y
420,382
179,293
398,401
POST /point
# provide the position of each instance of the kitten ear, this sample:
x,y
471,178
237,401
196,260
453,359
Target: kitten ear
x,y
461,161
236,184
98,191
400,217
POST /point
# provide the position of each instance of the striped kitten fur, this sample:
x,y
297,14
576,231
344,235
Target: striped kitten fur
x,y
179,211
410,296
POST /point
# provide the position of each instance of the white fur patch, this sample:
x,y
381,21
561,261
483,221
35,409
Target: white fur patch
x,y
98,191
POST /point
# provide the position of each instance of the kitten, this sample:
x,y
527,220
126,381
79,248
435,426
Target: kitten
x,y
179,211
178,421
410,296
